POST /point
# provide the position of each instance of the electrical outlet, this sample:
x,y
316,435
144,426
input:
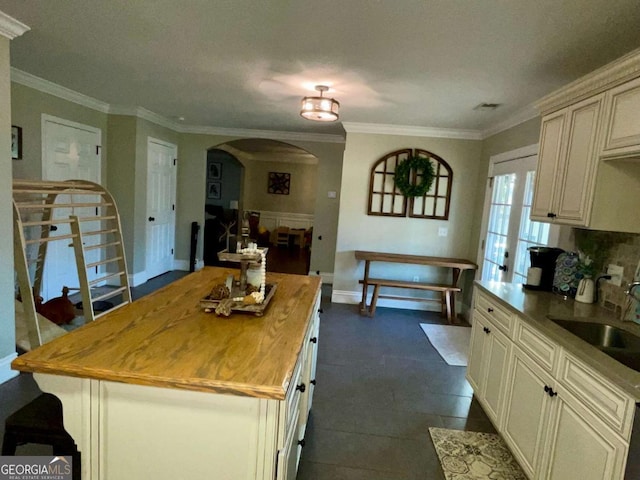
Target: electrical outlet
x,y
616,272
416,278
443,231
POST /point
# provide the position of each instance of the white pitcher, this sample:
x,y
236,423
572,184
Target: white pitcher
x,y
586,290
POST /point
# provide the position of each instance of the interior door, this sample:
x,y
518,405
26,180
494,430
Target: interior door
x,y
70,151
161,215
508,229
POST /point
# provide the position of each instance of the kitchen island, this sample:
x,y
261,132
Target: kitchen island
x,y
160,389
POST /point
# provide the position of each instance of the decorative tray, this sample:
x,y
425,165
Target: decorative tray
x,y
226,256
257,309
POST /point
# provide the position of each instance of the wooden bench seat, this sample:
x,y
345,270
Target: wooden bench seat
x,y
447,299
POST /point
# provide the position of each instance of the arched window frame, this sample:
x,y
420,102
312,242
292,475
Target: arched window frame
x,y
386,200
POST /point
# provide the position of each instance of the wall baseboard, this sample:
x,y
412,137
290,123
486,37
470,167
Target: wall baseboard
x,y
136,279
5,368
350,297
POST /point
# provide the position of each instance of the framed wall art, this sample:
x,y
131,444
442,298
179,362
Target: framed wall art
x,y
16,142
279,183
214,171
214,190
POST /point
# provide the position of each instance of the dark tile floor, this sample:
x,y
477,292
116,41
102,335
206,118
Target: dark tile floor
x,y
381,385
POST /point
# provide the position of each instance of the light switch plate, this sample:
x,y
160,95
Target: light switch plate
x,y
616,272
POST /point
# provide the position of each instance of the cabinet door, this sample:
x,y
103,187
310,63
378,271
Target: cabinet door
x,y
549,157
526,410
577,174
497,354
475,366
581,446
488,354
622,130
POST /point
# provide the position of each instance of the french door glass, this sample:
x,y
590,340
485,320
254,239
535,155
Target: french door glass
x,y
510,232
498,227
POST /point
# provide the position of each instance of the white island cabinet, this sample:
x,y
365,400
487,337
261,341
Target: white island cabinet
x,y
159,389
560,417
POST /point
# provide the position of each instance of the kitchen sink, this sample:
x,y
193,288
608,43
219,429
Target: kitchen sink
x,y
617,343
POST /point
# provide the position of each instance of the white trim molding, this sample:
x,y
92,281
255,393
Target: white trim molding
x,y
269,134
411,303
45,86
5,368
615,73
10,27
412,131
524,114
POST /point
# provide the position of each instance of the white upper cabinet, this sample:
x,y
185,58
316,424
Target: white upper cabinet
x,y
588,127
566,164
622,127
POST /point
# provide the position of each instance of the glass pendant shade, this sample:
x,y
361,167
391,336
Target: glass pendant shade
x,y
320,109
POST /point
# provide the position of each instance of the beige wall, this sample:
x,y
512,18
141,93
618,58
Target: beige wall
x,y
27,107
302,194
359,231
7,327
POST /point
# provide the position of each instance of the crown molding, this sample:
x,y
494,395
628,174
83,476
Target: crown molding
x,y
619,71
10,27
144,114
268,134
526,113
412,131
45,86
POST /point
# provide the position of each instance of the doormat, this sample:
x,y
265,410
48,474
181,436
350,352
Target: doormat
x,y
474,456
450,341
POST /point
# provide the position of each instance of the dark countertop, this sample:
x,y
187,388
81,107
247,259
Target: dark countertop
x,y
535,307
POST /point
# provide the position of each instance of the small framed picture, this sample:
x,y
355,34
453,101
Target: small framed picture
x,y
214,190
16,142
214,171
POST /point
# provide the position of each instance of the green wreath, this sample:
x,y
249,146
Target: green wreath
x,y
402,176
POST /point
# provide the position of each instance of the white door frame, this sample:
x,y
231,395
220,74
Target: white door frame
x,y
494,166
174,185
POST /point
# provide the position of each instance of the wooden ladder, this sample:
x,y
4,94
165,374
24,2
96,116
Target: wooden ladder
x,y
34,203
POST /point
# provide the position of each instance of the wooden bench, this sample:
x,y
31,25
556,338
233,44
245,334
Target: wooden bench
x,y
455,265
447,299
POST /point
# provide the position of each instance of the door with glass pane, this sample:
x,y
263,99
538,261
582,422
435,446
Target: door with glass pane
x,y
509,231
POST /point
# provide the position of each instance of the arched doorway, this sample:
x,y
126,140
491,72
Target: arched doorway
x,y
278,186
222,201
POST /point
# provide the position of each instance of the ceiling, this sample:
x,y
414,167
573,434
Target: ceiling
x,y
245,64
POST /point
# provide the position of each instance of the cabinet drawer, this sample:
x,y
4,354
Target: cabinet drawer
x,y
608,402
491,309
545,352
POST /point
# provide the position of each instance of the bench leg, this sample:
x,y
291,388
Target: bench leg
x,y
363,303
374,300
447,295
451,306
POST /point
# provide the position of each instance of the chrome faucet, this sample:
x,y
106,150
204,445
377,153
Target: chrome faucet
x,y
630,287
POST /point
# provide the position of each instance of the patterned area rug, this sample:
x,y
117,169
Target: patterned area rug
x,y
474,456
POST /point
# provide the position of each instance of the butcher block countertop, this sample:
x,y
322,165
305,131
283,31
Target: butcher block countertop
x,y
166,340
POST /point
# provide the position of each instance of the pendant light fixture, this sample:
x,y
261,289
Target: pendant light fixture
x,y
320,109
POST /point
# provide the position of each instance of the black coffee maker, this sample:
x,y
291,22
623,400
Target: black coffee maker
x,y
545,258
